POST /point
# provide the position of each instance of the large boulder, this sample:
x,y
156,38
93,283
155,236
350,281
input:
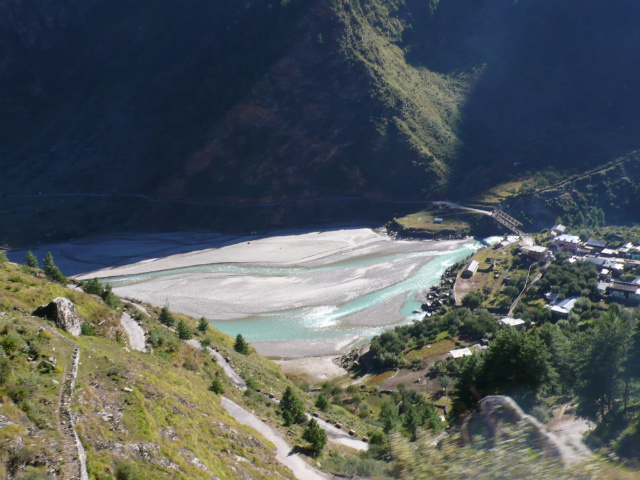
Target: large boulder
x,y
63,312
500,417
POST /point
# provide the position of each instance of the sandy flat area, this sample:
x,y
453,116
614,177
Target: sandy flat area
x,y
239,278
313,369
313,347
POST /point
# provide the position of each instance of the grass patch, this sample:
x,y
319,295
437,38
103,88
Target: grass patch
x,y
428,351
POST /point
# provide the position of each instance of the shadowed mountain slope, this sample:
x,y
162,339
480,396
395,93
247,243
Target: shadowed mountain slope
x,y
265,101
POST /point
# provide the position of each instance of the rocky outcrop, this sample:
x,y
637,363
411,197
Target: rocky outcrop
x,y
63,312
499,416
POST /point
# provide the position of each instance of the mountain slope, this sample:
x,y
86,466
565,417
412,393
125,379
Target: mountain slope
x,y
270,101
138,415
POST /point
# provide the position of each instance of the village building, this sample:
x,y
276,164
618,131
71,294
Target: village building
x,y
438,220
461,352
625,291
607,252
563,308
470,269
536,252
612,267
596,245
556,230
567,243
624,250
601,290
516,323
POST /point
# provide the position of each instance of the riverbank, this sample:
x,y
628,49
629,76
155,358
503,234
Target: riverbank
x,y
292,294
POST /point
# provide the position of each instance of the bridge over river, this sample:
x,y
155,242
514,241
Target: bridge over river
x,y
499,216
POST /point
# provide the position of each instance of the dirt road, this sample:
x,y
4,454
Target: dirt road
x,y
134,331
301,469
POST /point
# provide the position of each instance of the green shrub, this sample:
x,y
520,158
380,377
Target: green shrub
x,y
87,330
216,386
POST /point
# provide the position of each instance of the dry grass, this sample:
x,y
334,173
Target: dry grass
x,y
428,351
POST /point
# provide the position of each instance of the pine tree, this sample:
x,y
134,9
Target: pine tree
x,y
241,345
166,317
32,260
291,408
184,332
52,272
203,325
322,402
315,435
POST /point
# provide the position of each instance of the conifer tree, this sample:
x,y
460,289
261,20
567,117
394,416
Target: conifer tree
x,y
315,435
166,317
52,272
184,332
291,408
203,325
32,260
241,345
322,402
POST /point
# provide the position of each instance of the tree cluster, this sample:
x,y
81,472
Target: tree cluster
x,y
409,411
95,287
386,351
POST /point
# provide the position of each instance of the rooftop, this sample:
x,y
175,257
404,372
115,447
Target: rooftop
x,y
535,248
461,352
592,242
568,238
511,322
626,287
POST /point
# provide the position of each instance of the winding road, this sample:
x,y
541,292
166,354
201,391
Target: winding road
x,y
301,469
134,331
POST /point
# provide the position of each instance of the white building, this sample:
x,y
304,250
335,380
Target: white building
x,y
516,323
461,352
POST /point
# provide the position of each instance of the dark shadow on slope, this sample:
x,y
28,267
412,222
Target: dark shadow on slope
x,y
563,92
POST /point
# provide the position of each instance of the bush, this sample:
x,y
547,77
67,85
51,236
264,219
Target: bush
x,y
216,386
24,387
126,471
5,369
12,343
87,330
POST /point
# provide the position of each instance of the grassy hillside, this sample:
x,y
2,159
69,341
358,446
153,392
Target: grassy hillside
x,y
137,414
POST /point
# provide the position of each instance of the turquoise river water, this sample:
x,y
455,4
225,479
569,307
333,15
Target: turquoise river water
x,y
325,321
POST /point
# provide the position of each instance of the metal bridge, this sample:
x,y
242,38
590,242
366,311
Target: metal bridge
x,y
508,221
